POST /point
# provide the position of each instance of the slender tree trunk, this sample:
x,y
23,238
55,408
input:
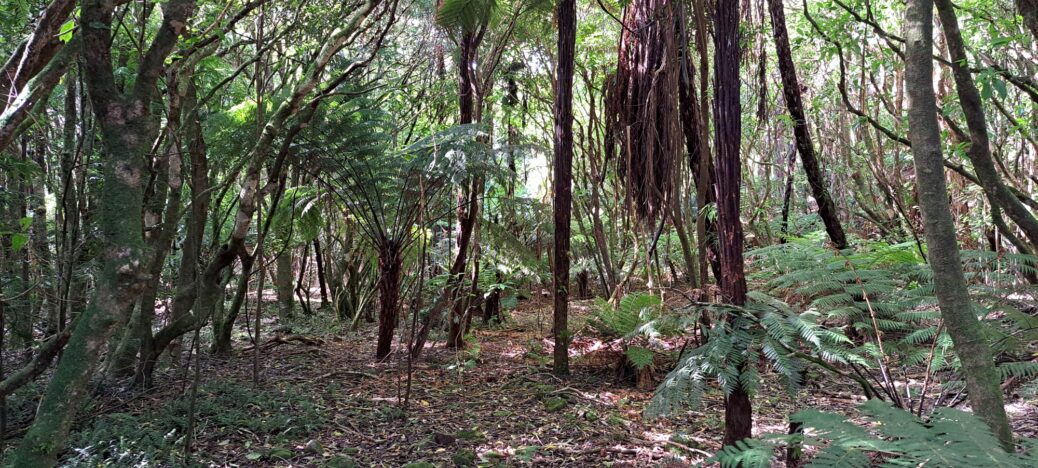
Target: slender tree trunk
x,y
950,284
979,148
806,148
787,196
703,164
467,216
189,276
283,277
678,219
563,179
319,259
467,210
67,221
738,413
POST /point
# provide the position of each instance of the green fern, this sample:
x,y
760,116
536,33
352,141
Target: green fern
x,y
898,438
634,311
640,357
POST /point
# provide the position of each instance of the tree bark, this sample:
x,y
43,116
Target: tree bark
x,y
128,128
805,146
787,197
703,162
1029,10
950,284
562,184
283,284
738,413
321,281
390,264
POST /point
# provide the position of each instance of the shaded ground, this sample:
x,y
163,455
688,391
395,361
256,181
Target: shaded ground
x,y
329,404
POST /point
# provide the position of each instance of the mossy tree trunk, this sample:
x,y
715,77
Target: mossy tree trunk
x,y
965,329
283,275
128,128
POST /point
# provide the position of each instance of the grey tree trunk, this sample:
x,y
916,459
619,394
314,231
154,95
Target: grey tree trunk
x,y
950,283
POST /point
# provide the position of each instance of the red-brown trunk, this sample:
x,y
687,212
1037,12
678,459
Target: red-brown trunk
x,y
728,180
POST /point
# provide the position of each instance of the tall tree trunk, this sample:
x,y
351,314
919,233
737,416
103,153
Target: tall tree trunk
x,y
41,251
467,216
468,46
738,413
67,208
563,179
806,148
703,162
128,128
188,274
950,284
321,281
467,209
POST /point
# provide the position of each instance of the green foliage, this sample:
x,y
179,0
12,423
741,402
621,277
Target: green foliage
x,y
223,407
512,255
634,311
298,219
466,15
739,338
888,290
640,357
893,436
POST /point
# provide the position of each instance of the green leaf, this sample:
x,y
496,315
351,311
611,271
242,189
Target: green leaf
x,y
65,33
18,241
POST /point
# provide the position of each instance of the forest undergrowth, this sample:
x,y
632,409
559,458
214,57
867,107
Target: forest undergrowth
x,y
321,401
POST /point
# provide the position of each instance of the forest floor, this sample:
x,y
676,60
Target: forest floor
x,y
329,404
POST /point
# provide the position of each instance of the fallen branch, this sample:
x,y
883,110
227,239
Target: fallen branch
x,y
289,339
348,372
39,363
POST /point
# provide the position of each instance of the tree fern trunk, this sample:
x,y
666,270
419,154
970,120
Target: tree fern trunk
x,y
563,180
